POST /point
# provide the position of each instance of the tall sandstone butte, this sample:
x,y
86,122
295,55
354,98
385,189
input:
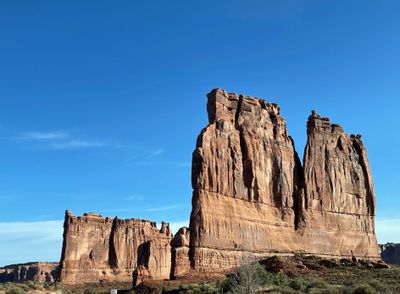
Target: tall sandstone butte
x,y
104,249
251,197
338,203
246,176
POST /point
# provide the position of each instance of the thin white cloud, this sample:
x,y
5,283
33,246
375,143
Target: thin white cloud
x,y
134,197
59,140
162,208
76,144
30,241
145,155
43,136
388,230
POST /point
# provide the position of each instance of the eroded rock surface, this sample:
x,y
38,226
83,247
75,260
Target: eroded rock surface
x,y
246,176
104,249
180,253
251,197
338,203
32,271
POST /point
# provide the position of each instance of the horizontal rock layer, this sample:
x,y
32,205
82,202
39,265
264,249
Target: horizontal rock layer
x,y
33,271
252,197
104,249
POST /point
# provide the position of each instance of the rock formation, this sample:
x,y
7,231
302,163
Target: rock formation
x,y
338,203
390,253
104,249
251,196
180,253
33,271
246,177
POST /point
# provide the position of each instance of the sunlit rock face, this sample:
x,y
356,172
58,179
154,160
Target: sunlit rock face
x,y
99,249
246,178
338,200
251,196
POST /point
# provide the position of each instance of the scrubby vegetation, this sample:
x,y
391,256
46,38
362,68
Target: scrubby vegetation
x,y
253,278
275,275
28,287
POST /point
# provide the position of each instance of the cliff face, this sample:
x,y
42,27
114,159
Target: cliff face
x,y
103,249
338,203
251,196
33,271
246,177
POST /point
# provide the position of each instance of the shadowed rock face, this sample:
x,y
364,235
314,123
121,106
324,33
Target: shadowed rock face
x,y
33,271
251,196
104,249
390,253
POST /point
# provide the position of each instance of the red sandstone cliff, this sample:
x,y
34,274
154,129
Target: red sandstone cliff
x,y
252,198
338,203
104,249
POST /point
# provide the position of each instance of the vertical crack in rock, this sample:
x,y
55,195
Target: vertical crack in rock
x,y
112,254
339,202
253,197
251,208
103,249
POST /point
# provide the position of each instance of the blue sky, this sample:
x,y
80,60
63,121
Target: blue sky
x,y
102,101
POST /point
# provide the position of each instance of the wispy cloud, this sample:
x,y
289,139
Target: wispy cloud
x,y
162,208
76,144
388,230
134,197
60,140
145,155
30,241
43,136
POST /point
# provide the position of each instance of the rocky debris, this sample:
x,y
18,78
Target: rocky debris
x,y
180,253
140,275
33,271
98,249
299,264
252,197
390,253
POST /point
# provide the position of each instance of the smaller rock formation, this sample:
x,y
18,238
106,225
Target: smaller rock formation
x,y
390,253
98,249
33,271
337,208
180,253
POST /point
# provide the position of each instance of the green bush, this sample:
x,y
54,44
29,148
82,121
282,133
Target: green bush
x,y
15,290
364,289
90,291
249,278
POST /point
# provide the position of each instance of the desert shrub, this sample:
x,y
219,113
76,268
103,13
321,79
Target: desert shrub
x,y
34,285
298,284
364,289
248,278
90,291
15,290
